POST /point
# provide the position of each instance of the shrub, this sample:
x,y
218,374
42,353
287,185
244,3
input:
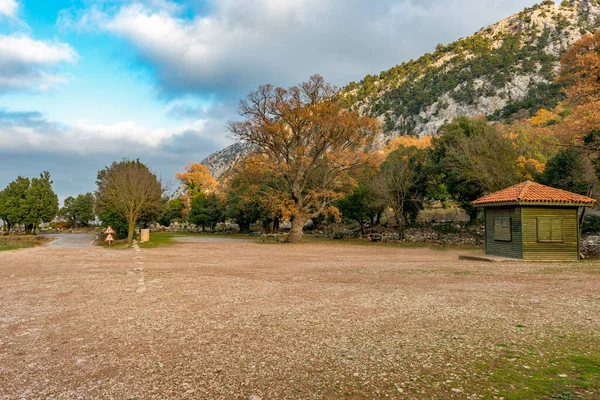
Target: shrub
x,y
591,224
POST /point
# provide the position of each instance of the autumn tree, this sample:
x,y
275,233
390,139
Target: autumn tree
x,y
197,180
580,70
129,190
308,140
254,193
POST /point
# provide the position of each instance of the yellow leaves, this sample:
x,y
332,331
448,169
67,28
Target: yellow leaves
x,y
409,141
333,212
544,118
528,168
198,179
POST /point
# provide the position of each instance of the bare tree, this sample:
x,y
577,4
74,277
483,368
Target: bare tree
x,y
129,190
401,184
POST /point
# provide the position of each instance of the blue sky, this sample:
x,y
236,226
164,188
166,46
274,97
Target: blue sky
x,y
86,82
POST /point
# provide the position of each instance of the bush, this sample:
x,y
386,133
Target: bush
x,y
591,224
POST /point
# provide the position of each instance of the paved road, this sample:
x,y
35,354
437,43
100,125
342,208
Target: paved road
x,y
71,241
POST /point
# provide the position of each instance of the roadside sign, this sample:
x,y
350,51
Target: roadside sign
x,y
109,239
109,230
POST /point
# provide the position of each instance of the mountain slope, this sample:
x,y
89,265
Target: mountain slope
x,y
503,71
507,67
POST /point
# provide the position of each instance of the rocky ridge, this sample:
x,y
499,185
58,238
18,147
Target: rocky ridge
x,y
506,70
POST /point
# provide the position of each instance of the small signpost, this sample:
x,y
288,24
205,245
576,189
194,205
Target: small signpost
x,y
109,235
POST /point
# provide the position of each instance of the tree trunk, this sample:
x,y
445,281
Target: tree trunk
x,y
244,226
298,221
401,225
130,229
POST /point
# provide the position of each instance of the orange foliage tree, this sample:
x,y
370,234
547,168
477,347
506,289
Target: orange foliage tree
x,y
310,144
253,193
197,180
580,70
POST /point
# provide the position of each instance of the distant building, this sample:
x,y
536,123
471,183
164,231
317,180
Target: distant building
x,y
530,221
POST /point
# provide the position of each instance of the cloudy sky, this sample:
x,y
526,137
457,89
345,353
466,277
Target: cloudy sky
x,y
86,82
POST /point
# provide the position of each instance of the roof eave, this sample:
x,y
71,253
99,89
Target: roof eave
x,y
535,203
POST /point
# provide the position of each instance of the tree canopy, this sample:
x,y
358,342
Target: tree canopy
x,y
28,202
308,141
129,190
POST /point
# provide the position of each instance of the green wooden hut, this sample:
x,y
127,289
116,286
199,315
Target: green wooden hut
x,y
530,221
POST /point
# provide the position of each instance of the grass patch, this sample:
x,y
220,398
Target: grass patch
x,y
20,242
159,239
568,369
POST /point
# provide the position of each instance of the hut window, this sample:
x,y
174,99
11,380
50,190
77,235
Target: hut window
x,y
550,229
502,230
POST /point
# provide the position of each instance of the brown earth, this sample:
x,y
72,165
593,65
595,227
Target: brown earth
x,y
233,320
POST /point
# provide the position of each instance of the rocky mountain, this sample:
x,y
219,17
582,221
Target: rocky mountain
x,y
504,71
501,70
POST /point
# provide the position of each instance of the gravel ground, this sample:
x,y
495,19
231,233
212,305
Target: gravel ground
x,y
244,320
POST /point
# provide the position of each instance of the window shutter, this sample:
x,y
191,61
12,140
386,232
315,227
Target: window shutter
x,y
550,229
544,230
502,229
557,229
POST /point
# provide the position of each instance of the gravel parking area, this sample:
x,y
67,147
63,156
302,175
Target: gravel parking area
x,y
243,320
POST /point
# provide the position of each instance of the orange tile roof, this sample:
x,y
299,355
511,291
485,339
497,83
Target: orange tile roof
x,y
531,192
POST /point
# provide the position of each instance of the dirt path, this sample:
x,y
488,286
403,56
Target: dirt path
x,y
230,320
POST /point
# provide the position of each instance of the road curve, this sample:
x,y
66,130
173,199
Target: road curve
x,y
70,241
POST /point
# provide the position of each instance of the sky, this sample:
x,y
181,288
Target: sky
x,y
87,82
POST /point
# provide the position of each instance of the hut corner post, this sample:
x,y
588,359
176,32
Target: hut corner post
x,y
590,193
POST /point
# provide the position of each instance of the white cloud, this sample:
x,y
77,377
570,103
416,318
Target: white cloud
x,y
29,64
9,8
240,44
33,132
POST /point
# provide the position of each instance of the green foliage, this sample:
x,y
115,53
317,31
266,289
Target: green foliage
x,y
591,223
360,206
173,212
79,211
28,202
241,207
115,221
542,95
568,170
470,159
207,211
11,199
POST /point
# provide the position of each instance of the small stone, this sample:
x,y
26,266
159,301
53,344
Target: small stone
x,y
254,397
